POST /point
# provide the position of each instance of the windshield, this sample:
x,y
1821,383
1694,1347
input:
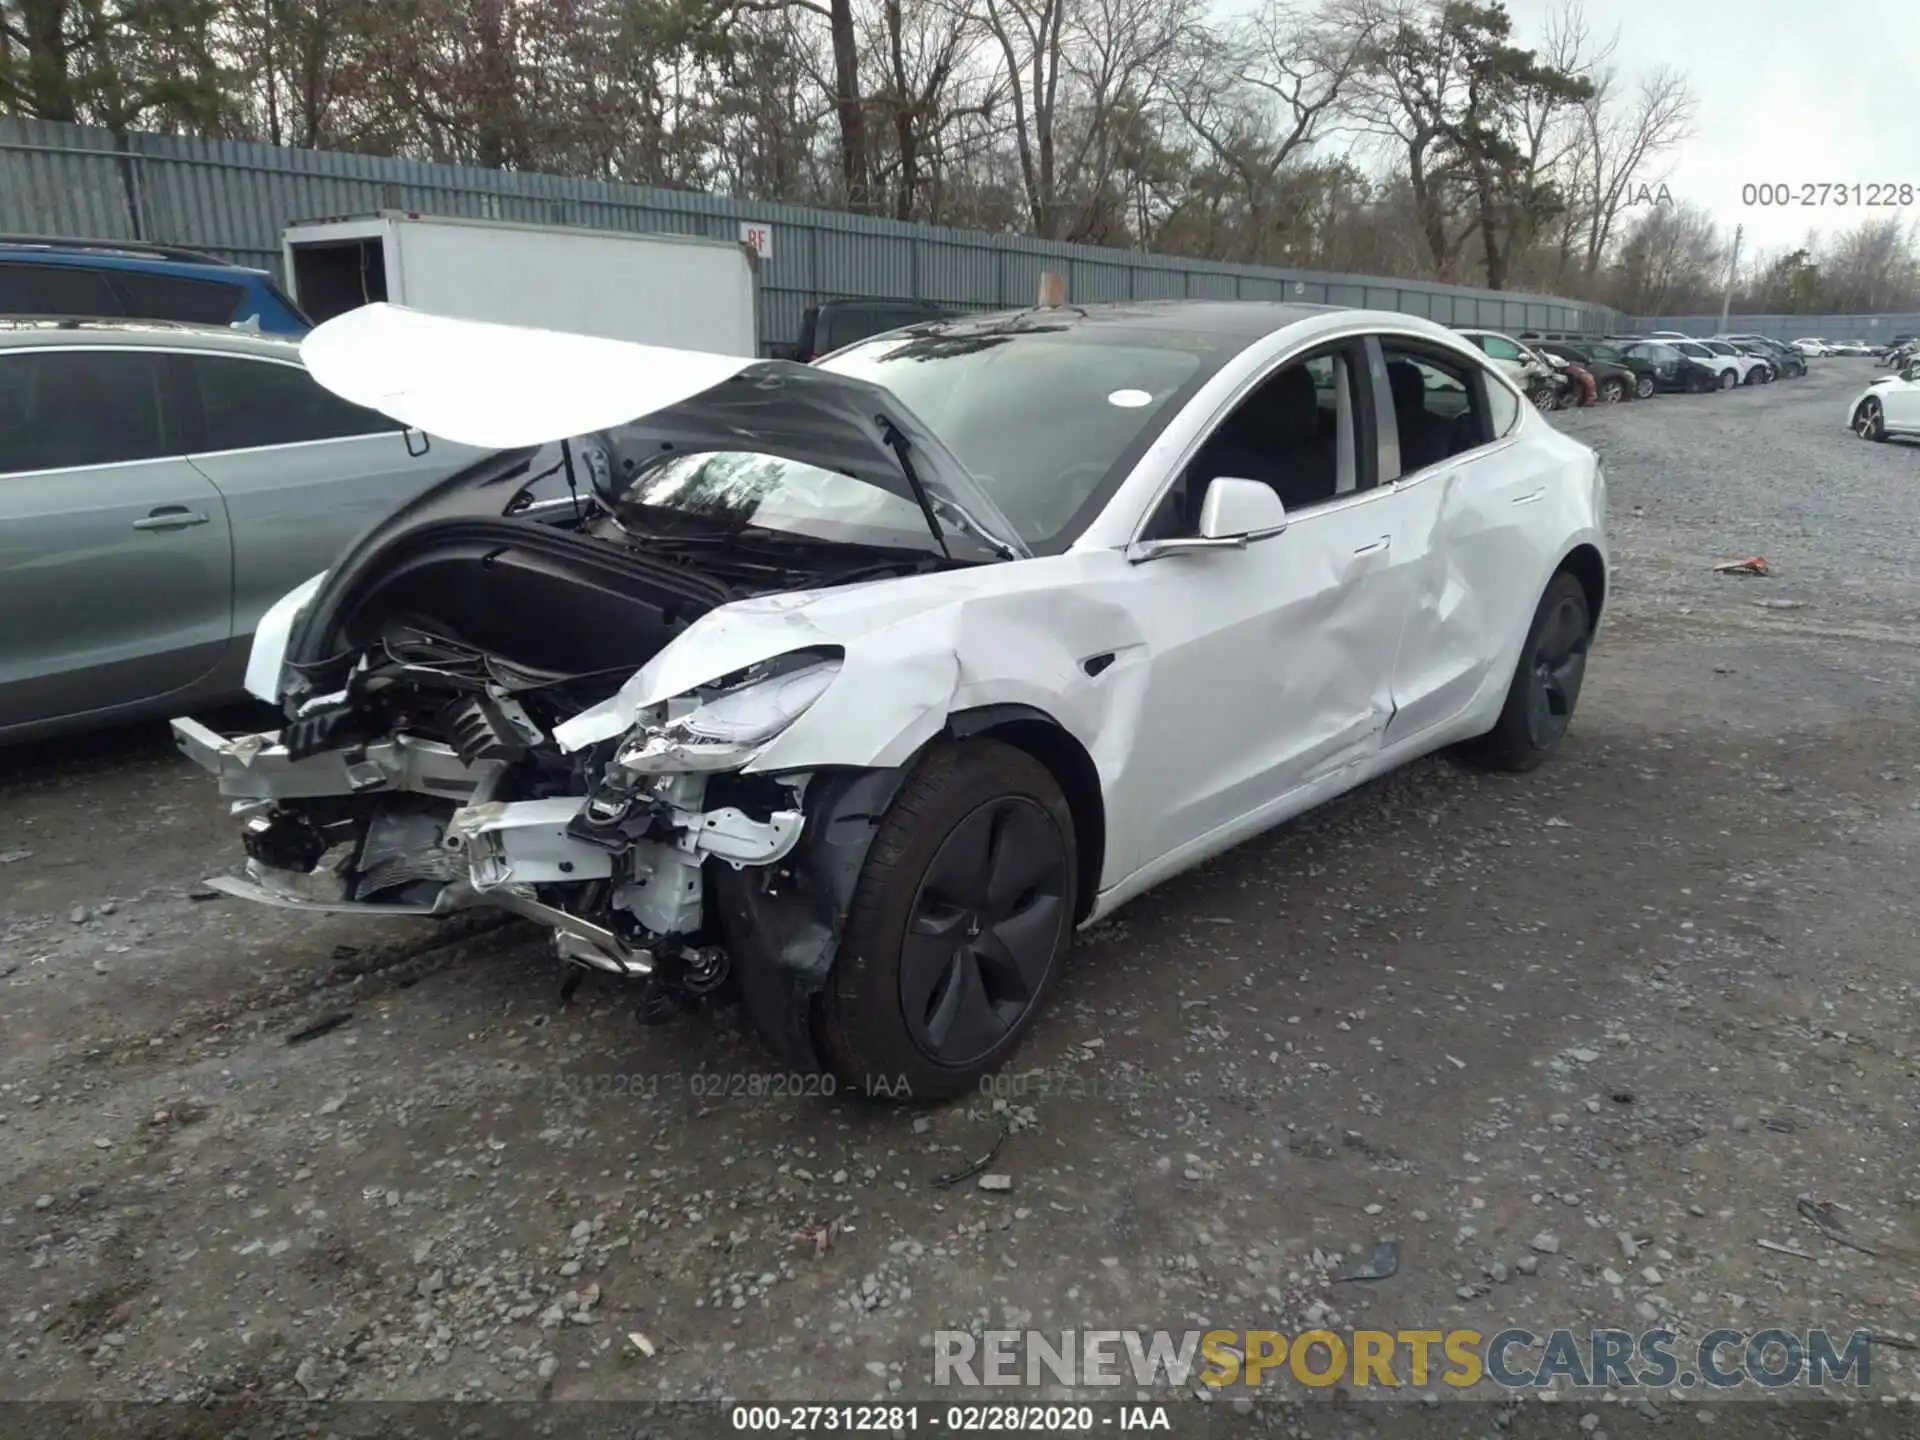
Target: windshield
x,y
1047,418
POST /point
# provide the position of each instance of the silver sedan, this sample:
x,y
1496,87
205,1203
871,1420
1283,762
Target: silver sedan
x,y
160,487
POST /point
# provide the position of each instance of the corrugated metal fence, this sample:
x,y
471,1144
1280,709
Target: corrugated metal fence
x,y
234,198
1791,327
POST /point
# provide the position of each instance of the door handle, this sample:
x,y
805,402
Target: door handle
x,y
170,517
1530,496
1376,547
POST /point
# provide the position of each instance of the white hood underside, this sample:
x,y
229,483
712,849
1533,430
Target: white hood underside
x,y
500,387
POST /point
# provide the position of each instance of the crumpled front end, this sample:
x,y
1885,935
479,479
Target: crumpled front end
x,y
470,801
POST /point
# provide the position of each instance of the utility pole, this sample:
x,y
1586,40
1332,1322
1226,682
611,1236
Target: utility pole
x,y
1733,271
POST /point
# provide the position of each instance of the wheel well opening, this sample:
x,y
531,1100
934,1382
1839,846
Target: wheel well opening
x,y
1583,563
1073,771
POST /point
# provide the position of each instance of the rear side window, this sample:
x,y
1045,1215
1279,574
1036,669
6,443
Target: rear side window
x,y
171,297
56,290
254,403
65,408
1433,413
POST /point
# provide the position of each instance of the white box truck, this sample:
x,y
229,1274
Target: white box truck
x,y
685,291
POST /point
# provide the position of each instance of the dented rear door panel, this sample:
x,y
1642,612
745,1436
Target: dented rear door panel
x,y
1487,524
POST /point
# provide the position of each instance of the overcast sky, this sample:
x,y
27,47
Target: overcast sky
x,y
1789,92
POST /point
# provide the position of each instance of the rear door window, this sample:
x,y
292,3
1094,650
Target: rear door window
x,y
60,409
67,291
1432,398
249,404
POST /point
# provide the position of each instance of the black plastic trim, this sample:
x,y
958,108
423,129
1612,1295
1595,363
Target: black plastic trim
x,y
783,923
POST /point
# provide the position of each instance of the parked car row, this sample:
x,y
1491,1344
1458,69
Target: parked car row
x,y
1899,351
1816,346
1562,370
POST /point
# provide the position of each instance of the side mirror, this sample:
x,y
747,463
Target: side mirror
x,y
1234,514
1241,509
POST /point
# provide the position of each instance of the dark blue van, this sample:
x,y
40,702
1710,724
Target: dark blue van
x,y
129,280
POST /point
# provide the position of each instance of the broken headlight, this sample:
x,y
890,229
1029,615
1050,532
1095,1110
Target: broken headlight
x,y
723,729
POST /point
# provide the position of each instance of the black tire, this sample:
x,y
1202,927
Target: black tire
x,y
915,1024
1729,379
1643,387
1613,390
1870,421
1546,681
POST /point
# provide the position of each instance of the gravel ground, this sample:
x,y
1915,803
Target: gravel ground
x,y
1576,1040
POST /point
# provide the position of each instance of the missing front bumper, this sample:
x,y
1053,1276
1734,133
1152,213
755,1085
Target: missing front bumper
x,y
472,849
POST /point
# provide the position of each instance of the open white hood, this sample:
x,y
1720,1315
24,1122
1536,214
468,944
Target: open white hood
x,y
500,387
506,387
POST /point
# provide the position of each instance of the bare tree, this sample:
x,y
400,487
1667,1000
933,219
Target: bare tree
x,y
1625,138
1259,97
1028,33
1672,262
1872,267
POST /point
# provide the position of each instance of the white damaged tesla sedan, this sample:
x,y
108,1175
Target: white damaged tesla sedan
x,y
1888,407
854,688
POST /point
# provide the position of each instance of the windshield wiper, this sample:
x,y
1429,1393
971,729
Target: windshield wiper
x,y
898,444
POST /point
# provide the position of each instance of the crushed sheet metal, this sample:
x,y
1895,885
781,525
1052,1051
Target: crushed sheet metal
x,y
500,386
525,842
244,889
258,767
730,834
915,651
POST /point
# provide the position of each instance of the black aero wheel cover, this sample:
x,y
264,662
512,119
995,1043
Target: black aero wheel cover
x,y
1557,663
987,923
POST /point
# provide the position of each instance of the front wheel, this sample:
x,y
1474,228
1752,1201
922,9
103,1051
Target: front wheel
x,y
1546,681
957,926
1613,391
1869,421
1729,379
1643,387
